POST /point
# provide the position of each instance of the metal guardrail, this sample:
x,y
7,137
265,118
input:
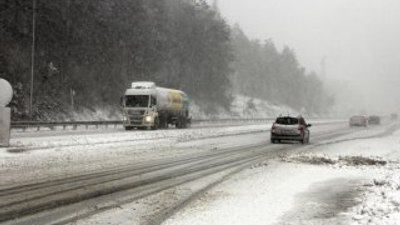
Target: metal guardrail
x,y
64,124
52,125
23,125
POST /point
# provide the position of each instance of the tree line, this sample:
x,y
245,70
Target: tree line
x,y
90,51
262,71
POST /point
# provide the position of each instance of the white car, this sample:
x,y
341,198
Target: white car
x,y
287,128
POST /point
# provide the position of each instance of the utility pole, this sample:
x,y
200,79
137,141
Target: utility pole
x,y
72,93
32,58
323,68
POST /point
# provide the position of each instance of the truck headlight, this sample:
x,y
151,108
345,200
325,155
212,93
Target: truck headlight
x,y
148,119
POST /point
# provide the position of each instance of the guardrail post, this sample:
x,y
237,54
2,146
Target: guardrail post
x,y
5,121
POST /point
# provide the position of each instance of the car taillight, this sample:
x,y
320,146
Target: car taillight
x,y
299,129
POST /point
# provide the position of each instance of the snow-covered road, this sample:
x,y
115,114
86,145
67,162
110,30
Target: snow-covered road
x,y
47,154
242,199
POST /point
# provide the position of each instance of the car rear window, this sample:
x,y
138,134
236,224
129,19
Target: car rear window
x,y
287,121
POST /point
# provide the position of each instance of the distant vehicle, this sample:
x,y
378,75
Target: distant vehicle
x,y
358,121
147,106
291,129
394,116
374,120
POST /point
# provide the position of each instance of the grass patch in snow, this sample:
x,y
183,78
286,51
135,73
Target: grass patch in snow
x,y
258,165
362,161
322,159
16,150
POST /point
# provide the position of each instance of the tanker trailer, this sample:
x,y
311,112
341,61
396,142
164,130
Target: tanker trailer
x,y
147,106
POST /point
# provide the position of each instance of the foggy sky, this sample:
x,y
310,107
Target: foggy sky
x,y
359,40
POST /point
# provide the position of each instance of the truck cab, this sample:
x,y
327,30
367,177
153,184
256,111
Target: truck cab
x,y
140,107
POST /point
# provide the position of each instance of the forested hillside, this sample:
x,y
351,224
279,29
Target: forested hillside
x,y
92,50
261,71
97,48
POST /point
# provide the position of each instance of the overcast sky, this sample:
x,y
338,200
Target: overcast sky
x,y
358,38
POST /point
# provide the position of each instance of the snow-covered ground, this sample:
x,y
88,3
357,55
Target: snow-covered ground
x,y
351,182
351,179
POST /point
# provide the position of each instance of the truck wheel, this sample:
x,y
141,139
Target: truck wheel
x,y
156,124
181,123
163,123
185,123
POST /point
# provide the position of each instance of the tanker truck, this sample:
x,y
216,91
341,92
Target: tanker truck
x,y
147,106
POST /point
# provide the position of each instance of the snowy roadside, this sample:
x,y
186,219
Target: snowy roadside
x,y
352,182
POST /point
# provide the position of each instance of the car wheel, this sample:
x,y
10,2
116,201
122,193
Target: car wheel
x,y
274,141
304,140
